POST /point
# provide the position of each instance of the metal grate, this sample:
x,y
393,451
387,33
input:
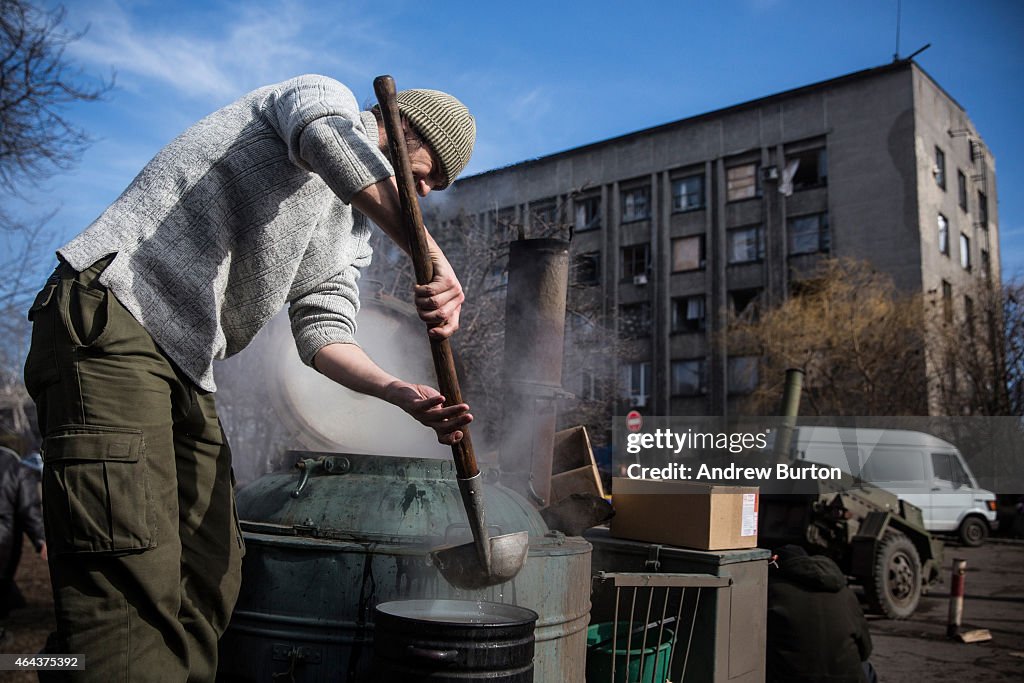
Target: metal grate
x,y
658,611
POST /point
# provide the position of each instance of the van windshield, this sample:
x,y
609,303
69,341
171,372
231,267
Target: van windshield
x,y
947,467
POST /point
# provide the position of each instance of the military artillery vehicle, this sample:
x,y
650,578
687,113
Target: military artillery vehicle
x,y
878,540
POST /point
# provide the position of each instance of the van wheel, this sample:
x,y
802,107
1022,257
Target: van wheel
x,y
894,587
973,531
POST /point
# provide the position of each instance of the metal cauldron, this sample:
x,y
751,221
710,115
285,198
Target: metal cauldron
x,y
359,533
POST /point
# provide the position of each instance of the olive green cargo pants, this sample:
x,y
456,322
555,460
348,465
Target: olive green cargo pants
x,y
144,545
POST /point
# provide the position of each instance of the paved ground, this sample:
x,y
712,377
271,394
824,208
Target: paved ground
x,y
911,651
916,650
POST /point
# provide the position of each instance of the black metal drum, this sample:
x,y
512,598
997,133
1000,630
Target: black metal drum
x,y
453,641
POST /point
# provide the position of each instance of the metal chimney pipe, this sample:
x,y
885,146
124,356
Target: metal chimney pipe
x,y
790,410
538,275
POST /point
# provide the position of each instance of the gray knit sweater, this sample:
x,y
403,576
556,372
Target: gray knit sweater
x,y
246,210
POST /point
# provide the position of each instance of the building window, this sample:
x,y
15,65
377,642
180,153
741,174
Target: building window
x,y
983,209
544,213
986,265
947,301
742,182
744,302
961,189
586,269
969,320
688,314
635,320
588,213
809,234
743,374
688,377
940,168
636,204
636,263
636,380
809,169
688,193
745,245
687,253
965,251
943,235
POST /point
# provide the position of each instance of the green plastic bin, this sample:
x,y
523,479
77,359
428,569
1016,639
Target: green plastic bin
x,y
655,656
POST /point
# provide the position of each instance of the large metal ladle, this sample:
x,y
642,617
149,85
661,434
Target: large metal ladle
x,y
487,561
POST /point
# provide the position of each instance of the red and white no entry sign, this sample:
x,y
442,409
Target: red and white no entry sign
x,y
634,421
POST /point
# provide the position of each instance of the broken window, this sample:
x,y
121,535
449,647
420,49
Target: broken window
x,y
940,168
983,209
808,169
745,301
742,182
687,253
961,189
688,314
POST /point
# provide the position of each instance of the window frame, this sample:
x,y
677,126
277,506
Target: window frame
x,y
731,189
644,190
680,182
759,248
595,222
942,223
623,276
822,232
680,322
702,247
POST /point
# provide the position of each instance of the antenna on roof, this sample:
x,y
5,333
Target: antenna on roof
x,y
896,55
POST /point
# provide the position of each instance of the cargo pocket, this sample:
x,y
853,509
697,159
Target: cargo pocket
x,y
41,364
96,492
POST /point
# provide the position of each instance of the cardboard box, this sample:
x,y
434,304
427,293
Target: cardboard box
x,y
685,514
573,469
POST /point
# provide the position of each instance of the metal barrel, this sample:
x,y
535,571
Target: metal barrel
x,y
453,641
360,533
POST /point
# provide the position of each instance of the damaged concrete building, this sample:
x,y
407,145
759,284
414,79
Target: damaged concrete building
x,y
676,226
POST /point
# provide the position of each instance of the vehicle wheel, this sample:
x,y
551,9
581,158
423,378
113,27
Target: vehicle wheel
x,y
894,587
973,531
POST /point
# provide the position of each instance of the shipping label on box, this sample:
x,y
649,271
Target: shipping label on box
x,y
685,514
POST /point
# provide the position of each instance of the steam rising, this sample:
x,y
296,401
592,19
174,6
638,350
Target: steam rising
x,y
270,402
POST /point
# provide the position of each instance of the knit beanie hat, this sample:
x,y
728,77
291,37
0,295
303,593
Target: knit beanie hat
x,y
445,124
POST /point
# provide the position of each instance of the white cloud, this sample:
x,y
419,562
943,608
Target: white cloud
x,y
218,61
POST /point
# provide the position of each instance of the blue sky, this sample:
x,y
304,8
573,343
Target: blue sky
x,y
540,77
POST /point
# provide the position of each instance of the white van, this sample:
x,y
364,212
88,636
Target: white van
x,y
920,468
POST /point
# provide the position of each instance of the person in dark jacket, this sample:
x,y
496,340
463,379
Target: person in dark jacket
x,y
20,513
816,629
